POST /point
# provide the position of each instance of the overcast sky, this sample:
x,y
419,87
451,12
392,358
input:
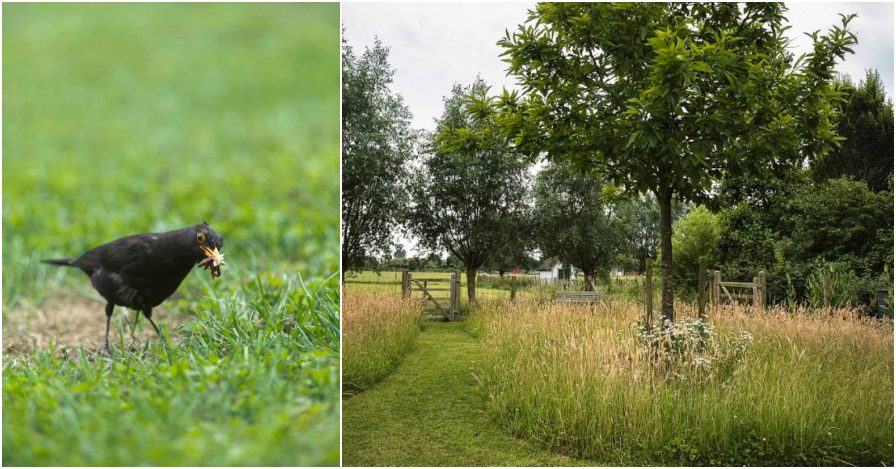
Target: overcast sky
x,y
435,45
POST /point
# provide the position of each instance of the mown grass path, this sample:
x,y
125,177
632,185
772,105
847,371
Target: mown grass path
x,y
428,412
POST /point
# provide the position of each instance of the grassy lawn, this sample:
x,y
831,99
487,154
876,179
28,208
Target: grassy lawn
x,y
623,287
120,119
429,412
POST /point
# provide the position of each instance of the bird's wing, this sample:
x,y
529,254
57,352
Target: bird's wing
x,y
125,293
131,258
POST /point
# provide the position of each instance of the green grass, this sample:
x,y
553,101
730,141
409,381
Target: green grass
x,y
428,412
379,330
252,381
811,390
120,119
126,118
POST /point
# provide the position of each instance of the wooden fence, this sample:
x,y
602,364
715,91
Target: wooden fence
x,y
755,294
720,292
448,306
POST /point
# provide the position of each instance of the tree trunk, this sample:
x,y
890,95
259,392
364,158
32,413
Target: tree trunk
x,y
664,197
589,279
471,285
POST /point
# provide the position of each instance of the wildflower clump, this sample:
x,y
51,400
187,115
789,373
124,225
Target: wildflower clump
x,y
691,349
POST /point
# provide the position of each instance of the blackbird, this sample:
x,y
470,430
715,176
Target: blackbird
x,y
141,271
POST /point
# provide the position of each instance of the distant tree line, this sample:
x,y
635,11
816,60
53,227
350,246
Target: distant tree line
x,y
683,132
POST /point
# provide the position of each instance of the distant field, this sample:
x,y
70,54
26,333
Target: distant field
x,y
624,287
128,118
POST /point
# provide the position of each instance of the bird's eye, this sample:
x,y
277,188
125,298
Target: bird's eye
x,y
200,237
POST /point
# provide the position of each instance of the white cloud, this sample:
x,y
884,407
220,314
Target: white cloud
x,y
873,25
435,45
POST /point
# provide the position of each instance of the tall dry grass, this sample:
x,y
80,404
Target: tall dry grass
x,y
378,330
810,389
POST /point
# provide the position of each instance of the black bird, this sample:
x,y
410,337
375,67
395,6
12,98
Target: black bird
x,y
141,271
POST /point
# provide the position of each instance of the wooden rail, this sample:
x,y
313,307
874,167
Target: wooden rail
x,y
579,297
757,296
411,284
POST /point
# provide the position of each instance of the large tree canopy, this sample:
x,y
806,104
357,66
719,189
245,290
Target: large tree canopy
x,y
468,200
670,98
377,143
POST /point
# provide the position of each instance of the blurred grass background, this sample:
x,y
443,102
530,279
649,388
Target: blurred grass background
x,y
121,119
127,118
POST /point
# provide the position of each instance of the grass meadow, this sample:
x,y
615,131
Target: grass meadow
x,y
488,286
769,388
379,330
120,119
814,387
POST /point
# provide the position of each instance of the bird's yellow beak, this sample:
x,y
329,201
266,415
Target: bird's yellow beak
x,y
214,254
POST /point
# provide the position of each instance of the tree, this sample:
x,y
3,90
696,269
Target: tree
x,y
641,220
670,98
467,199
377,142
515,251
573,221
867,125
400,253
842,221
694,240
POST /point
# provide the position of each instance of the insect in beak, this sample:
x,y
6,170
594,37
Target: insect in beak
x,y
213,261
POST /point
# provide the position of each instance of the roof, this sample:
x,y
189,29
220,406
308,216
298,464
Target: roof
x,y
549,263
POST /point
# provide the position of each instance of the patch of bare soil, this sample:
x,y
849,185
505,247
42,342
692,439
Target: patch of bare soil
x,y
72,320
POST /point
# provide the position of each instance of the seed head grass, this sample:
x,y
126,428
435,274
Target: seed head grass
x,y
378,331
764,388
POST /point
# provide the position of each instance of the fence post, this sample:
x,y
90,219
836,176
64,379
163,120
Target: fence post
x,y
648,291
453,307
763,293
716,288
405,284
512,289
755,291
701,290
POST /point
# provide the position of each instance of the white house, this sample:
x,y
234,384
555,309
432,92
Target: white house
x,y
550,269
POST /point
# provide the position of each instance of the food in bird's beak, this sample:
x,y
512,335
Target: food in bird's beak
x,y
213,262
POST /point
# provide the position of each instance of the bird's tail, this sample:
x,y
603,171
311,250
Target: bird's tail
x,y
68,262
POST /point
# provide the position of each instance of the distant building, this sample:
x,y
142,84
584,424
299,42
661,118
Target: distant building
x,y
552,270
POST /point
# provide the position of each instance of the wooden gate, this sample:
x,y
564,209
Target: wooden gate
x,y
432,290
756,293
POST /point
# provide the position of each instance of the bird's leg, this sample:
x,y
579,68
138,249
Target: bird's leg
x,y
134,327
109,308
148,314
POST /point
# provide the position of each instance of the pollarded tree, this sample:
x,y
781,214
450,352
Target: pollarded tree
x,y
377,143
670,98
574,222
468,200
